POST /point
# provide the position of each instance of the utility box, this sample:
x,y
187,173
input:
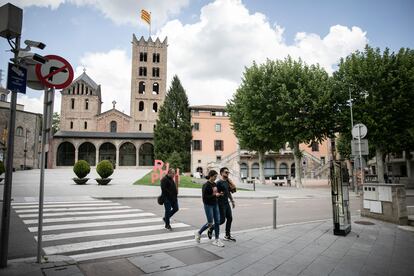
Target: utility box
x,y
385,202
339,179
11,18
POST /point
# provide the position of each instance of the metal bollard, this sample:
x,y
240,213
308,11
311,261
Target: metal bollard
x,y
274,212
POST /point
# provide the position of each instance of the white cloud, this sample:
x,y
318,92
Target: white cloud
x,y
112,70
210,55
35,105
120,12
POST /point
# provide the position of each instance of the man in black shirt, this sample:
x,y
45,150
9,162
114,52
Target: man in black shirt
x,y
224,205
169,194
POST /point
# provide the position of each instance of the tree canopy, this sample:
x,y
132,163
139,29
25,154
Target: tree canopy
x,y
173,128
283,101
382,90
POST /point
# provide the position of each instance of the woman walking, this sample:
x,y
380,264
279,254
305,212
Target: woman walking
x,y
210,196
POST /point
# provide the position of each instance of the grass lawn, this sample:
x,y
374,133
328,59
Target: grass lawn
x,y
185,182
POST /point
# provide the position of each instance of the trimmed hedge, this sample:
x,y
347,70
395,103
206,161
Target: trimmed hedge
x,y
105,169
81,168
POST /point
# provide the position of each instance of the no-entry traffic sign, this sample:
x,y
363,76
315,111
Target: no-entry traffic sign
x,y
56,72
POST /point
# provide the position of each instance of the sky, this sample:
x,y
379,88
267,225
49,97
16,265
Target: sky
x,y
210,42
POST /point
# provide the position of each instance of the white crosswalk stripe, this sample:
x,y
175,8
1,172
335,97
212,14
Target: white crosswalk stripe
x,y
53,237
34,221
35,210
80,213
64,205
93,229
59,202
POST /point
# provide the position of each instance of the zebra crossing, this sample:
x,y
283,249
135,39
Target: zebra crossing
x,y
92,229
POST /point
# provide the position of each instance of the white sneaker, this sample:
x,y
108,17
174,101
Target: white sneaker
x,y
197,236
218,242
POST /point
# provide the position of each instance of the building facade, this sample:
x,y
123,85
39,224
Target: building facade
x,y
213,142
87,133
26,137
215,145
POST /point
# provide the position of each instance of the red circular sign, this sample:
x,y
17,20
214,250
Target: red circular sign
x,y
56,72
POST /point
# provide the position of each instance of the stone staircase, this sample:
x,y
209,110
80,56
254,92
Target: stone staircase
x,y
231,161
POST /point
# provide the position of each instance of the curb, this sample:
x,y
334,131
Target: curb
x,y
181,196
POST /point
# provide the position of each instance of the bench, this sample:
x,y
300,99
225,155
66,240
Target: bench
x,y
279,180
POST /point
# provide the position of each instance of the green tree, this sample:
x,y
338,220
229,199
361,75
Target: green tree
x,y
309,105
283,101
55,122
381,85
253,115
175,161
173,129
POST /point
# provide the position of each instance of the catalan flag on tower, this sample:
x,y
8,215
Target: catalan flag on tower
x,y
146,16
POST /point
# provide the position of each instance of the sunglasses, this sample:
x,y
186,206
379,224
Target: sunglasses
x,y
226,172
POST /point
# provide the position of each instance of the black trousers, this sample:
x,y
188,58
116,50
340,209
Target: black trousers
x,y
226,216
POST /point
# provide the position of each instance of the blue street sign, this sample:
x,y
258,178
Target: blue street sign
x,y
16,78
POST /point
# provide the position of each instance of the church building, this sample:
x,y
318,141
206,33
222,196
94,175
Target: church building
x,y
87,133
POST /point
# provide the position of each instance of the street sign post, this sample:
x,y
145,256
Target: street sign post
x,y
16,78
359,131
355,147
57,73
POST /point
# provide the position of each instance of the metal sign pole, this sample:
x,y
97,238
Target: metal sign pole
x,y
5,218
42,174
360,155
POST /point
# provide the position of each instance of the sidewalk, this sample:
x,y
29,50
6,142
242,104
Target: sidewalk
x,y
302,249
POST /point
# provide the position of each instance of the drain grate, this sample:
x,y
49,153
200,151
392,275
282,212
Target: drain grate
x,y
363,222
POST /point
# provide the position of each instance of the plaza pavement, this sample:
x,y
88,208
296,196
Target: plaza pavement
x,y
60,186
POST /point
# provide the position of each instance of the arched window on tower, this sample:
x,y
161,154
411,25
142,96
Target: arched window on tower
x,y
154,107
113,126
140,127
141,106
141,87
155,88
87,104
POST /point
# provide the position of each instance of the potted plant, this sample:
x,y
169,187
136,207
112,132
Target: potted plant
x,y
2,170
105,170
81,169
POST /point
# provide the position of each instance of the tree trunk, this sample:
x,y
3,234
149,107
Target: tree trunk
x,y
380,166
261,167
298,165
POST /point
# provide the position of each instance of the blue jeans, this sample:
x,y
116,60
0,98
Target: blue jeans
x,y
212,212
171,207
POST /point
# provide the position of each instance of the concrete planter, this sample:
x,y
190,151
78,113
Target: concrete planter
x,y
103,181
80,181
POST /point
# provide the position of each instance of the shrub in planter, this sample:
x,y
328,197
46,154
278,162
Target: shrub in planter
x,y
81,169
2,170
105,170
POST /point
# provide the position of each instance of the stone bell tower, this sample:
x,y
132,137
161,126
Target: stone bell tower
x,y
148,82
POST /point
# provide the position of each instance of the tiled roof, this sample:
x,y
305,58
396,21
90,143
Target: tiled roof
x,y
110,135
208,107
86,79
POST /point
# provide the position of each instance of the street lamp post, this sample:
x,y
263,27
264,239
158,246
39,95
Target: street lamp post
x,y
352,126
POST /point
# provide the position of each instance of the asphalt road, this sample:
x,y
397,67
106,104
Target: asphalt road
x,y
249,213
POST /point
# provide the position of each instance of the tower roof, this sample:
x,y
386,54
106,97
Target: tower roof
x,y
86,79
